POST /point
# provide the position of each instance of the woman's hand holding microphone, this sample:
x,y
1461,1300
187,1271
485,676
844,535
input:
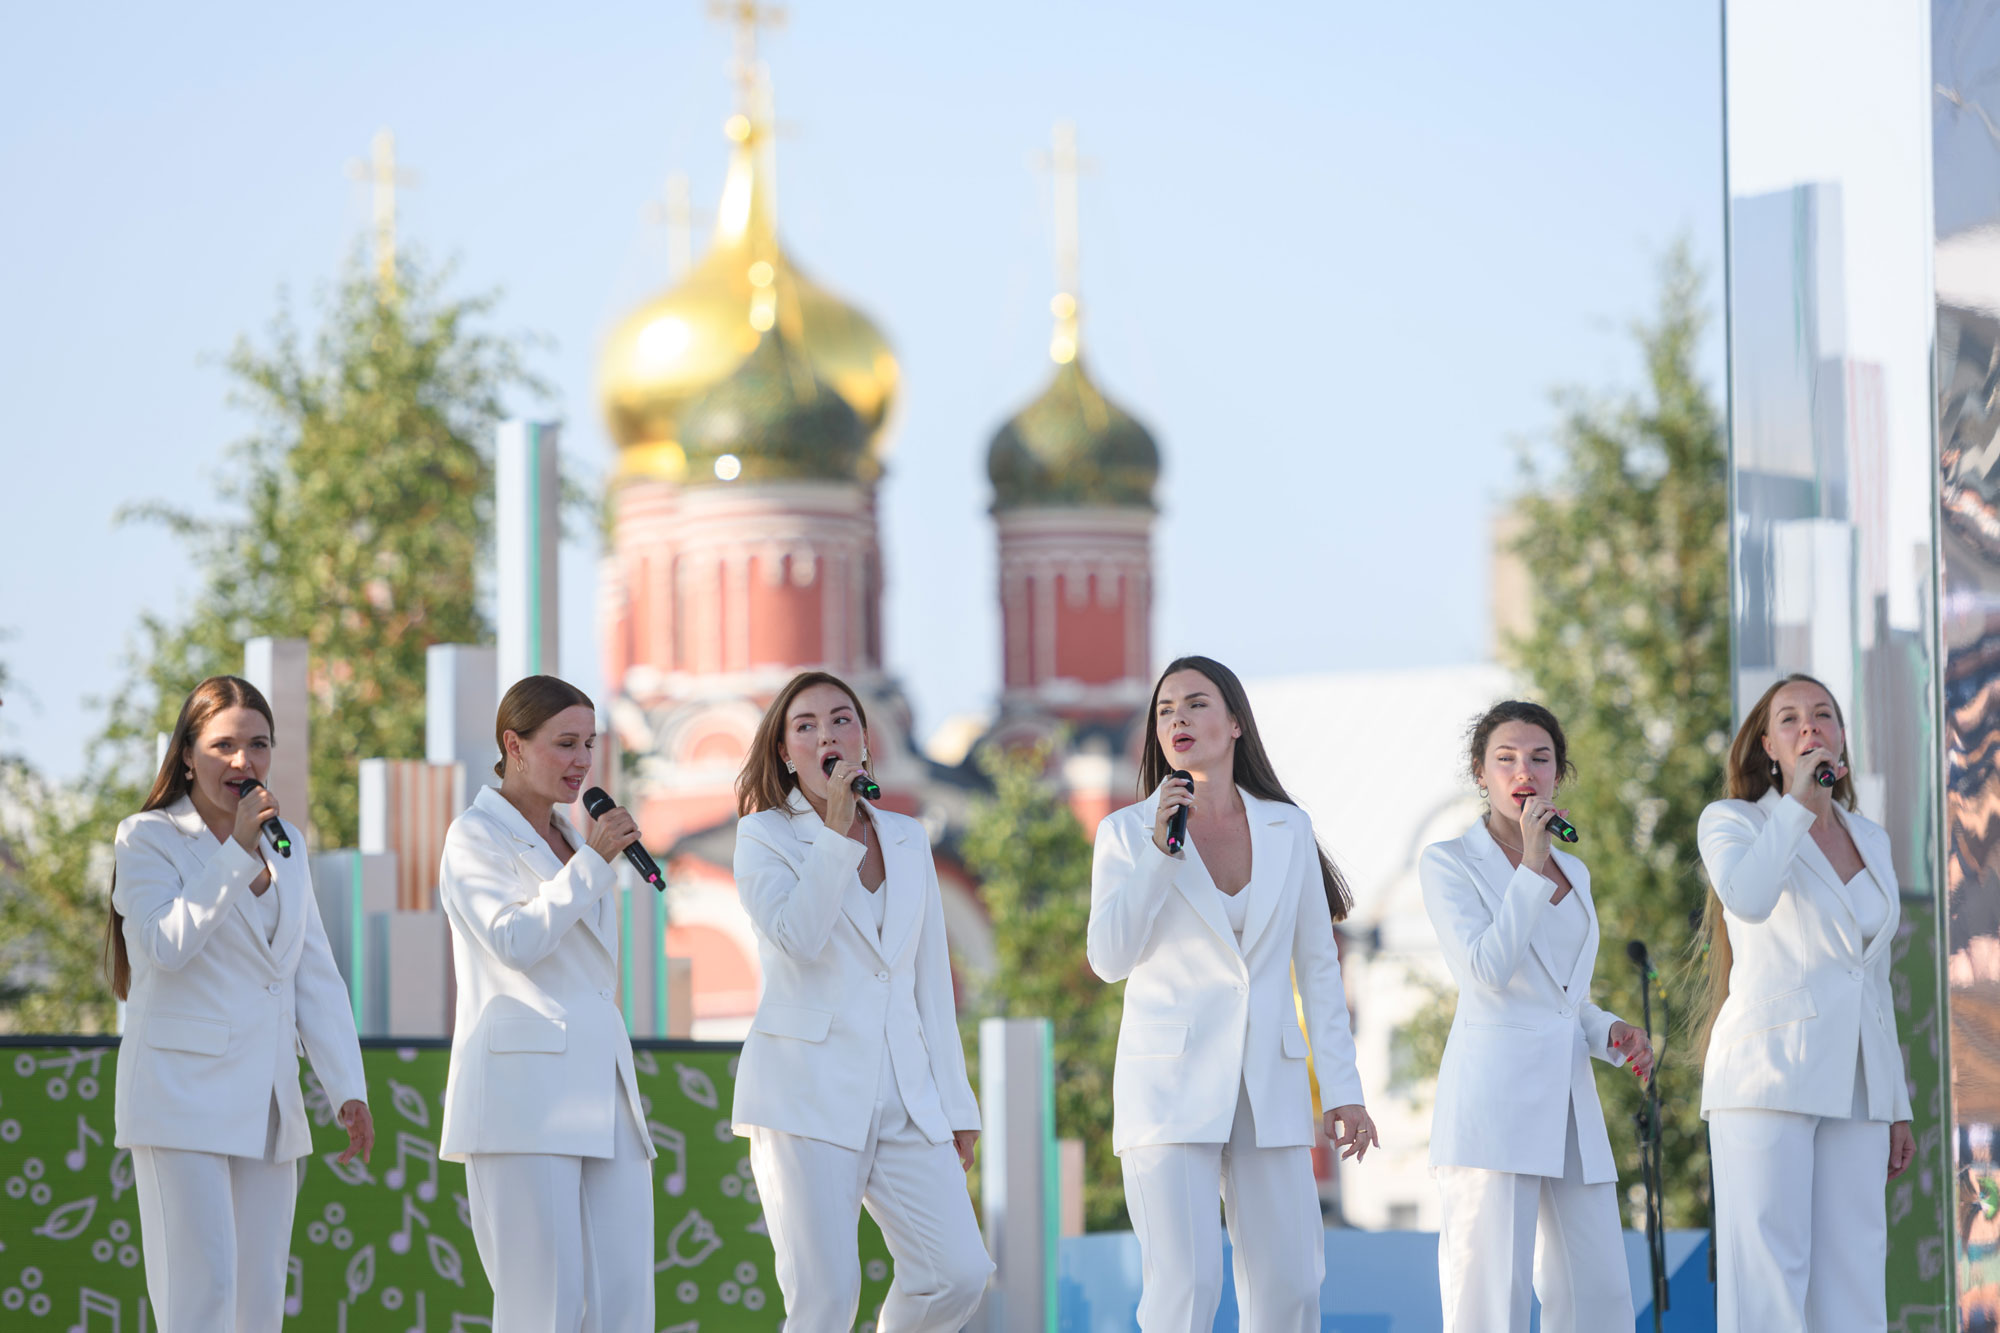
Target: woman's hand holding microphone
x,y
612,834
1174,793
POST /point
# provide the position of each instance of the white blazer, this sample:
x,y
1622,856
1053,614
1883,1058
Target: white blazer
x,y
1201,1015
1518,1057
1805,994
835,993
218,1016
539,1051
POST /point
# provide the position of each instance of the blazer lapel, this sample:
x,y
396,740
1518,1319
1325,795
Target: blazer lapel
x,y
1495,872
1586,959
1844,921
1877,855
603,919
1270,866
1191,877
904,882
806,825
289,881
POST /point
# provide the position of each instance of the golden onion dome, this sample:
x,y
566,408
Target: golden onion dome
x,y
691,338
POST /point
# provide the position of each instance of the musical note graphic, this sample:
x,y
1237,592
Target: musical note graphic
x,y
90,1302
407,1146
696,1085
399,1241
697,1234
69,1221
295,1285
465,1323
79,1156
644,1062
671,1141
410,1104
418,1327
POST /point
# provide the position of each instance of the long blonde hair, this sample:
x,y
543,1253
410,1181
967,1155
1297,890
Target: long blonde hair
x,y
175,779
1750,777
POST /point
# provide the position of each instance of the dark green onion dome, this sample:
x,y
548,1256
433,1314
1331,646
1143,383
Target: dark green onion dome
x,y
773,419
1073,446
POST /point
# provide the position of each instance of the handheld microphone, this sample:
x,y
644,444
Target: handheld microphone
x,y
599,803
862,786
1563,830
1636,951
1177,823
1823,775
274,832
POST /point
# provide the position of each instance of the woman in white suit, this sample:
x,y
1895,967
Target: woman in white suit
x,y
542,1104
216,946
1210,1094
1803,1087
1523,1165
851,1087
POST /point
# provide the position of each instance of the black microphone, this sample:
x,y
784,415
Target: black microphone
x,y
1556,824
599,803
1823,775
1636,951
1177,822
862,786
274,831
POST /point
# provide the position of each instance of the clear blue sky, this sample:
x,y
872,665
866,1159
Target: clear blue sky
x,y
1336,256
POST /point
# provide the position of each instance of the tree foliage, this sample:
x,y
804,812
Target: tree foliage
x,y
1624,535
1032,859
363,503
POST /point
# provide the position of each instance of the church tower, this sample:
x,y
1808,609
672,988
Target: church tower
x,y
1073,477
748,404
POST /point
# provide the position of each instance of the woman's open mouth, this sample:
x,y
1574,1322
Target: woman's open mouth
x,y
1183,742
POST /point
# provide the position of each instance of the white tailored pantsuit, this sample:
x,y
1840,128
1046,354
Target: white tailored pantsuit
x,y
1523,1163
1803,1074
542,1104
221,1006
1210,1095
852,1077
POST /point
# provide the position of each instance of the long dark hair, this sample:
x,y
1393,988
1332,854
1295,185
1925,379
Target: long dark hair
x,y
764,784
1749,778
1252,770
175,780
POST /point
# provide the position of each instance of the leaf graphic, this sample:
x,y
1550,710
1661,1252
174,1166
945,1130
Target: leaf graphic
x,y
410,1103
696,1085
360,1273
69,1221
445,1261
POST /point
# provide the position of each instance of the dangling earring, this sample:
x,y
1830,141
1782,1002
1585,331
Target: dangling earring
x,y
864,756
791,767
1774,768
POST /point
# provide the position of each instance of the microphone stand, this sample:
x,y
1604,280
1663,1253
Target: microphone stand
x,y
1647,1119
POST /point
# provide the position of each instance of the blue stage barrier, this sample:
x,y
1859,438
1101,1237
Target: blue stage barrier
x,y
1376,1282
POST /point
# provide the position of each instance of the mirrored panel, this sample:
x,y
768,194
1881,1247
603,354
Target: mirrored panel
x,y
1833,480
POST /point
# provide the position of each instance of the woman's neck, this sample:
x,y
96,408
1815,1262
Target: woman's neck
x,y
1215,796
537,810
1505,831
221,822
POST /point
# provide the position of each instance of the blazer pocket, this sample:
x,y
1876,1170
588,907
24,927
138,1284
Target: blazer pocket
x,y
1499,1027
199,1036
541,1035
790,1020
1772,1011
1154,1039
1295,1044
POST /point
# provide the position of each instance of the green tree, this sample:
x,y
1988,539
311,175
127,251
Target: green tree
x,y
364,503
55,876
1624,535
1032,859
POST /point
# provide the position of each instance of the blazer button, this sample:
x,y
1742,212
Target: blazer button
x,y
275,988
604,994
881,976
1855,973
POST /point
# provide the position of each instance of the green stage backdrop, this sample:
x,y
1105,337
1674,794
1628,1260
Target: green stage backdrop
x,y
386,1247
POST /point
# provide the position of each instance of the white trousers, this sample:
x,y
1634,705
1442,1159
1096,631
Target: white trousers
x,y
567,1242
813,1193
1801,1222
216,1232
1503,1234
1275,1229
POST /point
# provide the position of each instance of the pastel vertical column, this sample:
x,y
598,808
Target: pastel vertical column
x,y
527,528
1019,1189
278,668
460,700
